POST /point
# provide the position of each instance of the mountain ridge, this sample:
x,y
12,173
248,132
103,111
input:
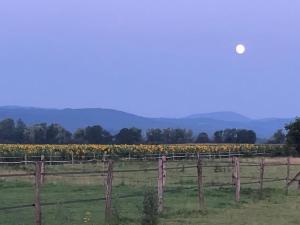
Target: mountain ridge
x,y
114,120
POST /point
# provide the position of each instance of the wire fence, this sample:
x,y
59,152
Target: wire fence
x,y
94,157
73,193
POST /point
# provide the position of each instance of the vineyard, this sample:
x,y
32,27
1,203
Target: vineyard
x,y
136,150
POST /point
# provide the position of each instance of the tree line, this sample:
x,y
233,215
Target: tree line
x,y
18,132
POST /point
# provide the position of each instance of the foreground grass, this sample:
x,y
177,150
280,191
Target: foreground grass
x,y
181,205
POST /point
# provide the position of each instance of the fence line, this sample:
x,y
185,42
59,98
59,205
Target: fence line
x,y
162,169
24,159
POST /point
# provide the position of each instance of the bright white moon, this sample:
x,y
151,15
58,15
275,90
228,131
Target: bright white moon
x,y
240,49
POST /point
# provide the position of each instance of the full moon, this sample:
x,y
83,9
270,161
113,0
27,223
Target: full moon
x,y
240,49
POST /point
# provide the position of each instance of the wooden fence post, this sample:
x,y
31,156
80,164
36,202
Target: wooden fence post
x,y
237,179
160,185
72,158
37,201
200,183
42,169
104,157
51,158
287,174
25,159
164,161
233,170
108,193
261,177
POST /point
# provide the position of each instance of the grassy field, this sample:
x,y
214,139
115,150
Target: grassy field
x,y
180,199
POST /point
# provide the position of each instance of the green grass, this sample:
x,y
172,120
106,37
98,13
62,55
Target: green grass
x,y
180,199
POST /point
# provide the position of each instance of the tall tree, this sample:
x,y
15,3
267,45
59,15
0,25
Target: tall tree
x,y
202,138
278,137
92,135
230,135
129,136
154,136
167,136
7,131
293,134
235,136
37,134
97,135
20,131
246,136
218,136
177,136
56,134
79,136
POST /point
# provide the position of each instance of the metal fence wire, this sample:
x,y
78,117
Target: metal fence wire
x,y
91,193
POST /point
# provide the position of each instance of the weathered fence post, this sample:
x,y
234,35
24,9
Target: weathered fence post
x,y
164,161
261,177
200,183
104,157
51,158
37,201
42,169
25,159
108,193
237,179
160,185
72,158
233,170
287,174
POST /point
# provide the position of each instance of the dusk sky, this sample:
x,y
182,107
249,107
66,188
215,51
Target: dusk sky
x,y
152,58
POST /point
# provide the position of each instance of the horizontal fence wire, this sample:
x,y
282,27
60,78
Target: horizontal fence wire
x,y
206,164
94,156
178,189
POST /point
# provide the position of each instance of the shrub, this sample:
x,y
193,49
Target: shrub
x,y
150,208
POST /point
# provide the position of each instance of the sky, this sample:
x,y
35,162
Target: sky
x,y
157,58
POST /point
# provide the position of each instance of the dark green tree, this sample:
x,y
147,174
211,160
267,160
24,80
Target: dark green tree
x,y
235,136
7,131
97,135
167,136
202,138
218,136
129,136
154,136
293,134
56,134
246,136
20,131
92,135
230,135
278,137
188,136
79,136
37,134
177,136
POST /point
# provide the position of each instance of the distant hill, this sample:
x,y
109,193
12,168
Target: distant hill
x,y
225,116
114,120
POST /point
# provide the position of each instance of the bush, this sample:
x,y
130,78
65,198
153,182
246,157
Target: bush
x,y
150,208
